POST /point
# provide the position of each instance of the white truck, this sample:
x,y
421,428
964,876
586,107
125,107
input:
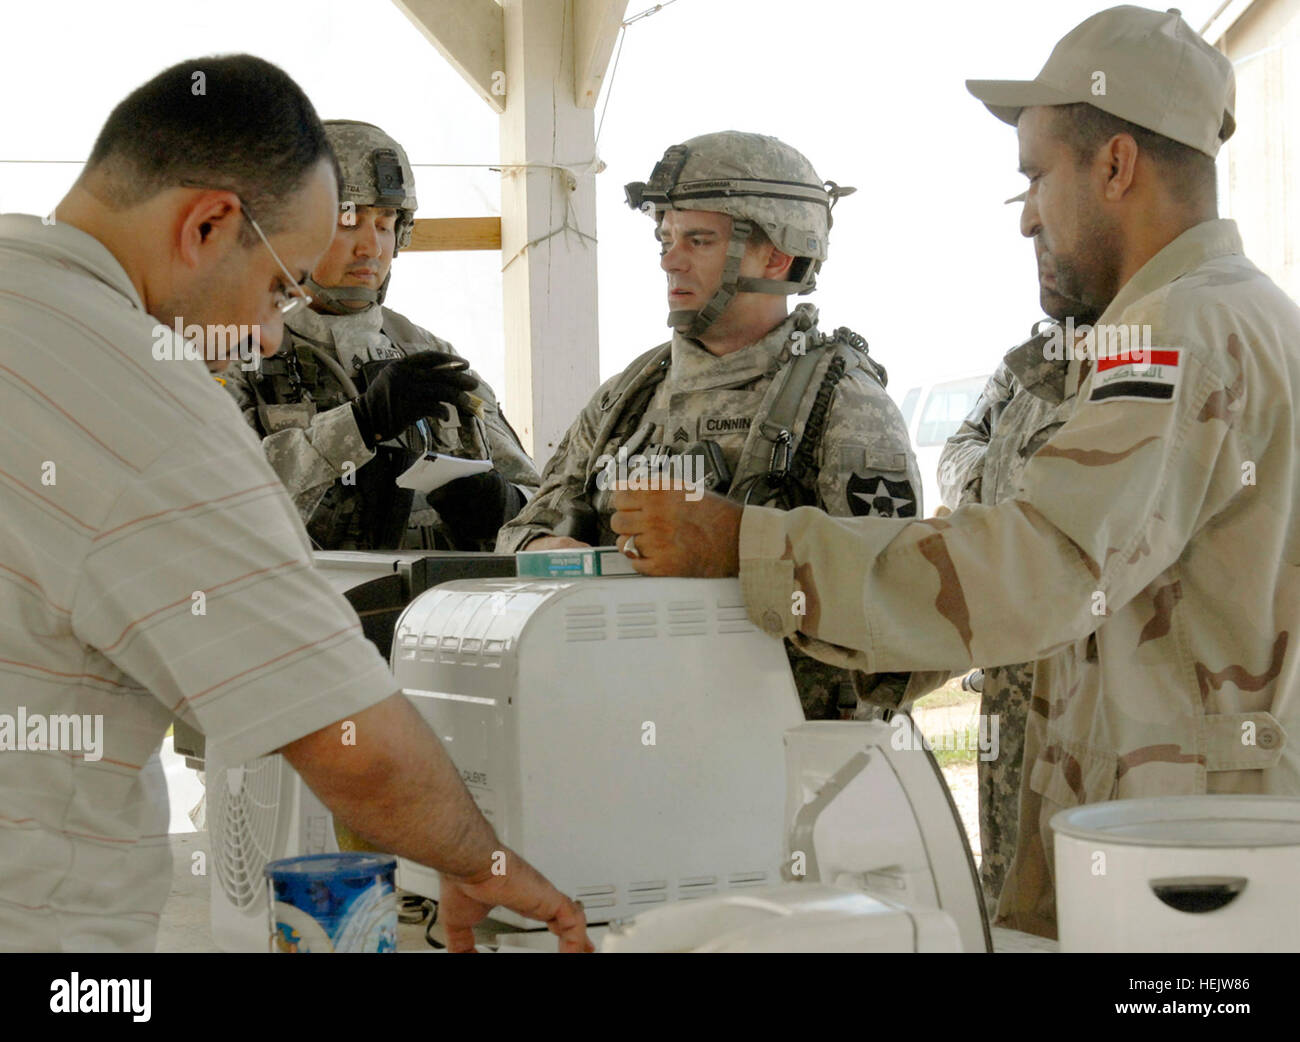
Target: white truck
x,y
932,412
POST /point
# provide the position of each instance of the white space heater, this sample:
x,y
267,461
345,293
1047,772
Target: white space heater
x,y
623,734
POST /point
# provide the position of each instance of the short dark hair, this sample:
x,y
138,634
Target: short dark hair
x,y
234,122
1085,128
758,238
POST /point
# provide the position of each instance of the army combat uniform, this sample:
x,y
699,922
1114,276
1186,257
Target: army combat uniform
x,y
1149,563
344,491
680,394
1018,411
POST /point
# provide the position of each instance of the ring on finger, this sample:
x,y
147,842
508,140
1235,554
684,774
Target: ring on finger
x,y
629,548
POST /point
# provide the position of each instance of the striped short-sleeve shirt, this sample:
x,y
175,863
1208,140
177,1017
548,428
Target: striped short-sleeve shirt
x,y
151,567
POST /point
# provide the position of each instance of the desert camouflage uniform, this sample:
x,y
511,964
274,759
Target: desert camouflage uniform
x,y
1176,517
1018,411
311,436
864,463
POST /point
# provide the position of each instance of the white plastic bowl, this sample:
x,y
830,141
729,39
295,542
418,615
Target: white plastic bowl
x,y
1179,874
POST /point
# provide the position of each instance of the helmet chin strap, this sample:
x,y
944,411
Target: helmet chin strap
x,y
693,323
332,298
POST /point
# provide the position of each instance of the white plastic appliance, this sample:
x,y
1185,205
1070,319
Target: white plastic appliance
x,y
876,857
257,813
624,734
1179,874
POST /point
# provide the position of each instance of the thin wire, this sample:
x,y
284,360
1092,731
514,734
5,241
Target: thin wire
x,y
609,91
649,11
575,168
572,168
622,35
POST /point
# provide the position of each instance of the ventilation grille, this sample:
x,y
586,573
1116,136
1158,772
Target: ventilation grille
x,y
694,887
649,892
243,812
688,619
660,891
732,618
638,621
584,622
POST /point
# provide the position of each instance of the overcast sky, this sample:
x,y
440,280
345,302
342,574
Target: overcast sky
x,y
925,260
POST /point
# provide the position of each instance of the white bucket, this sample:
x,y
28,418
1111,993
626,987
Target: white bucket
x,y
1179,874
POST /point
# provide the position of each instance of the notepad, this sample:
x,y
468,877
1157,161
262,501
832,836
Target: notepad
x,y
434,469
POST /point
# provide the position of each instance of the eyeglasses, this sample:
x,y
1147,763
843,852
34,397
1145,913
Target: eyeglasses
x,y
286,303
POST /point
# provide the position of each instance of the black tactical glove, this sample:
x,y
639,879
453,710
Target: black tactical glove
x,y
400,391
476,506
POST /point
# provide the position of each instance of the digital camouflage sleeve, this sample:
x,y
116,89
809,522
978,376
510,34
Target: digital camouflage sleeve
x,y
962,460
307,458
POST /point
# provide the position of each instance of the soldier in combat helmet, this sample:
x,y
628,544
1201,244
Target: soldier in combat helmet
x,y
774,410
337,406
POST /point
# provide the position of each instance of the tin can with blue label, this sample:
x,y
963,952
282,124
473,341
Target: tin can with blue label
x,y
344,902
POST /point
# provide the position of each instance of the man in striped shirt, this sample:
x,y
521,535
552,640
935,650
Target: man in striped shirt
x,y
152,566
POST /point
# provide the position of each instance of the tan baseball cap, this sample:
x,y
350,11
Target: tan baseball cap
x,y
1147,67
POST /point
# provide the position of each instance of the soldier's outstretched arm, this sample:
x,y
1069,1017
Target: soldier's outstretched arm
x,y
1106,505
398,788
961,463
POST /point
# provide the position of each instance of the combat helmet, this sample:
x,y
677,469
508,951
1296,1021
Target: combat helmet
x,y
759,182
375,172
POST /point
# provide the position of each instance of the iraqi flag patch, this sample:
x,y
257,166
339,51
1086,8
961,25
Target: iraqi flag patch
x,y
1150,375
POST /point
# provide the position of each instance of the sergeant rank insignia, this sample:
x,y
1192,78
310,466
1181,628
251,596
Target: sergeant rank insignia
x,y
877,496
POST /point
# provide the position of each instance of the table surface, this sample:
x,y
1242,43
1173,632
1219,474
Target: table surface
x,y
185,925
501,938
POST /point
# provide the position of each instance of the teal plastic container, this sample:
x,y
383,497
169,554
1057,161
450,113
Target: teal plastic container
x,y
344,902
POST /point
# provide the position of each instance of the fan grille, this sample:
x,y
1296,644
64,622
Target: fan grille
x,y
243,804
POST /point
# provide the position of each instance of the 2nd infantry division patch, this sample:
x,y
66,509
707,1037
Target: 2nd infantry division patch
x,y
877,496
1144,376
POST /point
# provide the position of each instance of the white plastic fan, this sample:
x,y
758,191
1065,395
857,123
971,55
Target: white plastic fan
x,y
257,812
